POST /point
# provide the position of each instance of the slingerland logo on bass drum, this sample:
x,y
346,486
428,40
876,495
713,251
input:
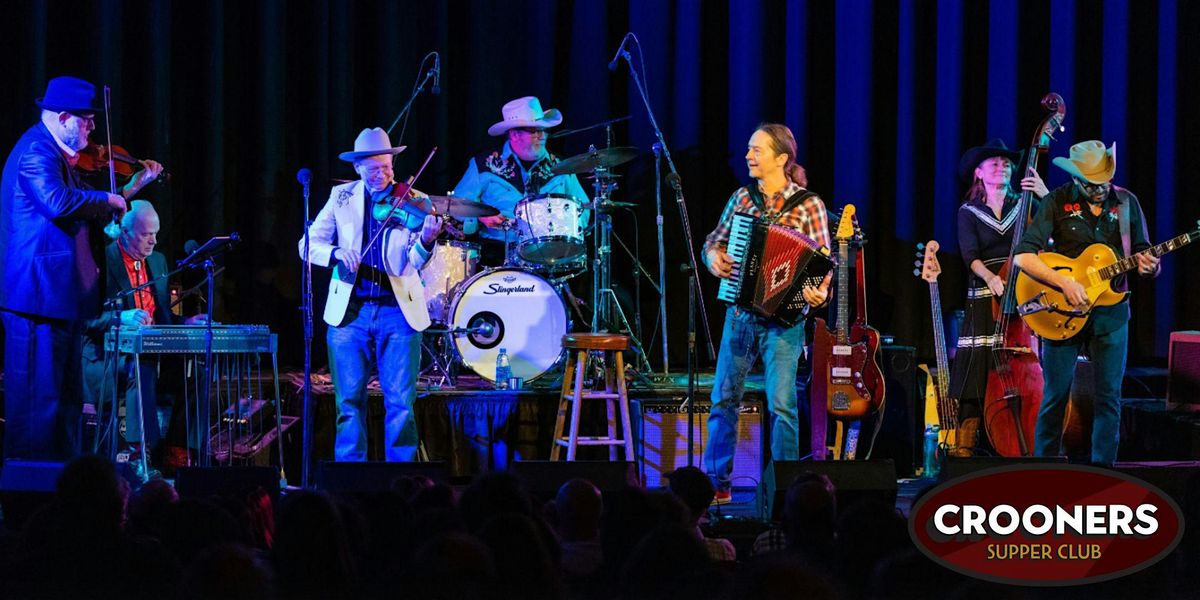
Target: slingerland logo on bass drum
x,y
1046,525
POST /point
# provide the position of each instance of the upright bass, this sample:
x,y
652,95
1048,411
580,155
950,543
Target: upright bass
x,y
1014,386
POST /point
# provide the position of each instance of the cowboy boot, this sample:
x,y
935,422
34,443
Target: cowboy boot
x,y
968,436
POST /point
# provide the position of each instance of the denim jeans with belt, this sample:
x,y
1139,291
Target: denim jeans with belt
x,y
745,337
1108,351
377,336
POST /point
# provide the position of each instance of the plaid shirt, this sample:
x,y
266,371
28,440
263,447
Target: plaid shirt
x,y
808,217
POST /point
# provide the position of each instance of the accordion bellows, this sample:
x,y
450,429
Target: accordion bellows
x,y
772,264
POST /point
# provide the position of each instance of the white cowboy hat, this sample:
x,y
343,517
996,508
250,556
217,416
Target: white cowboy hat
x,y
370,143
1090,161
525,112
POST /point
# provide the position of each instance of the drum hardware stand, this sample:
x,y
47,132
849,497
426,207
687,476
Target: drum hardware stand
x,y
645,371
694,289
662,262
441,364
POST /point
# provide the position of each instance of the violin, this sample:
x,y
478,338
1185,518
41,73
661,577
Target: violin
x,y
95,159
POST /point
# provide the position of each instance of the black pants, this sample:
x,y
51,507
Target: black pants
x,y
43,391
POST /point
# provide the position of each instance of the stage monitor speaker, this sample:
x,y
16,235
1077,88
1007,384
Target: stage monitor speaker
x,y
199,482
958,467
1183,370
26,486
1176,479
373,476
903,425
544,477
664,439
854,480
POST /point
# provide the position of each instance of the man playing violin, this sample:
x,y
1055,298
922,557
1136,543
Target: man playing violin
x,y
50,279
1088,210
378,322
518,169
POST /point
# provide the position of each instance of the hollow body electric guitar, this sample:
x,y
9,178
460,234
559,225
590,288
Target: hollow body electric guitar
x,y
846,373
1046,310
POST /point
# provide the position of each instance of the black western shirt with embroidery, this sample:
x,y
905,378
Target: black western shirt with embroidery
x,y
1065,224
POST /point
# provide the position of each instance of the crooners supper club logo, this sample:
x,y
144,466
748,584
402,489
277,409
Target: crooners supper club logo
x,y
1046,525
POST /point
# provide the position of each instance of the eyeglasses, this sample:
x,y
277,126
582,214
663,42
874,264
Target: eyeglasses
x,y
532,131
85,118
1093,189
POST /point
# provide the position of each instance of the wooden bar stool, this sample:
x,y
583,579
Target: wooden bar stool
x,y
614,394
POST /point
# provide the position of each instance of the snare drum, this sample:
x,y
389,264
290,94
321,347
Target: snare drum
x,y
511,309
548,229
451,263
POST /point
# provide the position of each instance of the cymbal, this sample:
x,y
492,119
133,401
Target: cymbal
x,y
457,207
601,158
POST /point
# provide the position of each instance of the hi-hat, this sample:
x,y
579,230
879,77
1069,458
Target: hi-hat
x,y
601,158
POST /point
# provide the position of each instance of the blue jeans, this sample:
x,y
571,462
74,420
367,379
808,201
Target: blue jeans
x,y
43,373
380,337
1058,369
745,337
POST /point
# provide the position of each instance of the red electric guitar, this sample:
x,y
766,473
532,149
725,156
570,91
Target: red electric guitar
x,y
846,373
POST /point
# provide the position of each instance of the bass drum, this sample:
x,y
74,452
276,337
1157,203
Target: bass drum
x,y
511,309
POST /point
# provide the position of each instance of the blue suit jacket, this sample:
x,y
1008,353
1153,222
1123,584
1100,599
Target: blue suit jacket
x,y
46,265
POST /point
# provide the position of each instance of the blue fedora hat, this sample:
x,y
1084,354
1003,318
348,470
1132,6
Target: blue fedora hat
x,y
69,94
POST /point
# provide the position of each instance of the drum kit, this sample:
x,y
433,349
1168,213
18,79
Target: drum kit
x,y
522,305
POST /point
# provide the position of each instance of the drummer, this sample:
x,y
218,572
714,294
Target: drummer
x,y
518,169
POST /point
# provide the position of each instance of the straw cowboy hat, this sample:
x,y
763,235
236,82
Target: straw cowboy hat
x,y
370,143
971,158
1090,161
525,112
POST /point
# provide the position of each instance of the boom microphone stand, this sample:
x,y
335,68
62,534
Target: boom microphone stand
x,y
676,183
202,257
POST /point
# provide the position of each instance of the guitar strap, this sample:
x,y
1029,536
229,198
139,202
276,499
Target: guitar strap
x,y
788,203
1123,221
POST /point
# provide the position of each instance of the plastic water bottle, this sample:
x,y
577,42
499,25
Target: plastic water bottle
x,y
503,370
932,465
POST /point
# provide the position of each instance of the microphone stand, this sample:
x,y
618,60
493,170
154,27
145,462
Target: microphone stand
x,y
416,92
210,249
306,299
676,183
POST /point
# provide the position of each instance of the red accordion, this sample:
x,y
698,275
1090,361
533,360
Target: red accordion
x,y
772,264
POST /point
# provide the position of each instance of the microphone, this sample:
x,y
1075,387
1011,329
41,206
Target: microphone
x,y
304,176
191,247
612,64
437,74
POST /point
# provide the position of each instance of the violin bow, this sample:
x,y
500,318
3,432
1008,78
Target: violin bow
x,y
113,229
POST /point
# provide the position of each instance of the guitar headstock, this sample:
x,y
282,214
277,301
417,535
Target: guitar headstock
x,y
928,267
846,224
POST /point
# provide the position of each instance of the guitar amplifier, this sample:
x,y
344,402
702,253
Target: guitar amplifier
x,y
1183,370
664,438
